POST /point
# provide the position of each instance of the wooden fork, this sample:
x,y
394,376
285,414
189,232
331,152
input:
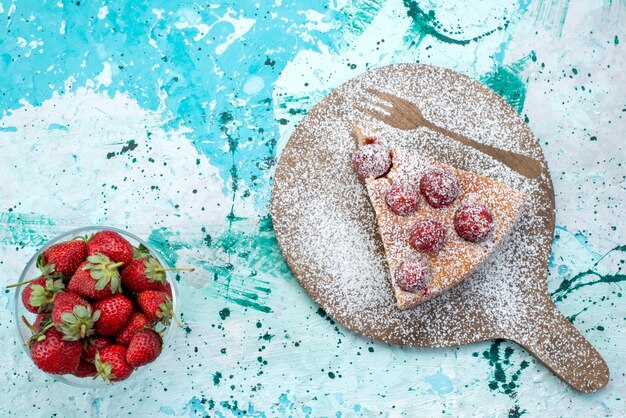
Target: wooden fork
x,y
407,116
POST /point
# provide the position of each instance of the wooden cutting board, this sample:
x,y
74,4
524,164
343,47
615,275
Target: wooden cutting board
x,y
326,226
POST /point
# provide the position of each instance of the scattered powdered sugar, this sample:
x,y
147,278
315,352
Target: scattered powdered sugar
x,y
327,228
337,249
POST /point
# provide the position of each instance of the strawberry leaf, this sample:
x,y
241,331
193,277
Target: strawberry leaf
x,y
140,252
45,322
105,272
54,285
38,334
78,324
37,295
104,368
97,274
42,297
102,281
154,270
85,238
68,317
45,268
165,312
97,259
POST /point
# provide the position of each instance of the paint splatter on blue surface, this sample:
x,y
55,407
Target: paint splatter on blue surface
x,y
440,383
166,118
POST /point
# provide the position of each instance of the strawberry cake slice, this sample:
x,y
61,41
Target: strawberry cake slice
x,y
438,224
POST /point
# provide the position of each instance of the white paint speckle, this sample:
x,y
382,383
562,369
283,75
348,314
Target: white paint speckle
x,y
105,77
103,12
241,26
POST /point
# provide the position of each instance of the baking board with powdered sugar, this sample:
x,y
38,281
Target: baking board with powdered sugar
x,y
327,230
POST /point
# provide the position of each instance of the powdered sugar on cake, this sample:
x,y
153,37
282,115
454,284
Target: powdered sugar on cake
x,y
456,258
328,230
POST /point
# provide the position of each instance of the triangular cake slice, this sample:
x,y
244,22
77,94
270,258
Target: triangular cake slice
x,y
434,239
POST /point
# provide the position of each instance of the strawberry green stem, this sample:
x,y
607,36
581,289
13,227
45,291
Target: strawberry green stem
x,y
180,324
114,265
100,374
175,317
29,325
38,335
24,282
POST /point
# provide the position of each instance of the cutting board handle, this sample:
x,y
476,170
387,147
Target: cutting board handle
x,y
562,349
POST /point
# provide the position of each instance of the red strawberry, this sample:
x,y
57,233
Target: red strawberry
x,y
93,345
27,292
143,274
55,355
111,364
39,294
144,348
136,322
112,245
157,306
85,369
65,256
96,278
73,316
166,288
64,303
114,314
83,284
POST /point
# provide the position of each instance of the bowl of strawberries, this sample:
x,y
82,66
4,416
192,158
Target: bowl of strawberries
x,y
95,305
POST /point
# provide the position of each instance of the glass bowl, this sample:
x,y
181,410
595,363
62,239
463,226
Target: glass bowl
x,y
31,271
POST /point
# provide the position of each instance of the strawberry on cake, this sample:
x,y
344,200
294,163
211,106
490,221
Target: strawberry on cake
x,y
438,224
